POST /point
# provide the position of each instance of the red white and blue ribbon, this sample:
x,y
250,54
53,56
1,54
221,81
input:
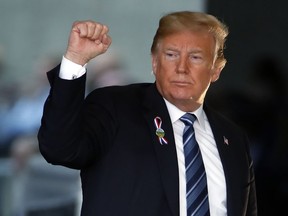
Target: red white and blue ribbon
x,y
159,131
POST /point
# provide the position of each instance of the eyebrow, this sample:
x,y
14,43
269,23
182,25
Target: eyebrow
x,y
175,49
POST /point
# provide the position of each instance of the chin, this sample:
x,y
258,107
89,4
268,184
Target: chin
x,y
181,98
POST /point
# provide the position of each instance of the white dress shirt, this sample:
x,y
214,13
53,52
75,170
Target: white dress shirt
x,y
215,175
70,70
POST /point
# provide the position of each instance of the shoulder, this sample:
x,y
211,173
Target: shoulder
x,y
122,90
126,93
220,120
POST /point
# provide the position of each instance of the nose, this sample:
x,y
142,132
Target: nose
x,y
182,65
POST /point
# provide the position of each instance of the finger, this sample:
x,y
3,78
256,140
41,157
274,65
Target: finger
x,y
106,40
80,28
97,34
105,30
75,27
85,28
103,36
91,26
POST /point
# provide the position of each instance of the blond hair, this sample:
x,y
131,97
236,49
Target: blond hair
x,y
195,21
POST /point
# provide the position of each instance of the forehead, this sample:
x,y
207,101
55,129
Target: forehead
x,y
202,40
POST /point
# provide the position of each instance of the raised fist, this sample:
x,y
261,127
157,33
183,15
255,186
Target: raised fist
x,y
87,40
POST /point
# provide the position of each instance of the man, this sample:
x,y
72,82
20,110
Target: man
x,y
127,141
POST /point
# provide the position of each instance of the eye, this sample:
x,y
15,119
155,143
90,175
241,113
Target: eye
x,y
171,55
196,58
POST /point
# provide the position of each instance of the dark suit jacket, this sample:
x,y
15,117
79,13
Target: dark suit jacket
x,y
125,170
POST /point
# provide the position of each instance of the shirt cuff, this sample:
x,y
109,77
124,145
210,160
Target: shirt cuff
x,y
70,70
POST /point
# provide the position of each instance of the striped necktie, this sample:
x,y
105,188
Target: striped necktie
x,y
196,182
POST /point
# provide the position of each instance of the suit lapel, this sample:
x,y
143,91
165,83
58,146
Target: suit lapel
x,y
225,141
166,153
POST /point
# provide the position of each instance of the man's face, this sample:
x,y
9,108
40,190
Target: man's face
x,y
183,67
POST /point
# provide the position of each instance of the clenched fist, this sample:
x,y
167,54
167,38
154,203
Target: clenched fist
x,y
87,40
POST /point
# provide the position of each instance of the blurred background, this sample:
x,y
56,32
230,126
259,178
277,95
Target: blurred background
x,y
252,89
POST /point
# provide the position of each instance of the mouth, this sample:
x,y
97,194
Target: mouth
x,y
181,83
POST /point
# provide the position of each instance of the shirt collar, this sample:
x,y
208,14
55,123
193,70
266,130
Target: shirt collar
x,y
176,114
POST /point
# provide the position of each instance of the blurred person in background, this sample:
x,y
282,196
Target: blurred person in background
x,y
38,188
8,95
35,188
23,109
107,70
127,140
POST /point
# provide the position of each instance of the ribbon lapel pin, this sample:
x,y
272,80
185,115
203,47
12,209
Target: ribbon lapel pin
x,y
159,131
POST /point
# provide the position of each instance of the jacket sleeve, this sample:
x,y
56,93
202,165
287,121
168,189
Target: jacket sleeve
x,y
59,135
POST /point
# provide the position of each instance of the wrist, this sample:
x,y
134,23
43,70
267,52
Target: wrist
x,y
76,58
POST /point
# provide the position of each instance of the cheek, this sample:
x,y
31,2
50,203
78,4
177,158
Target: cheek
x,y
205,75
163,73
160,76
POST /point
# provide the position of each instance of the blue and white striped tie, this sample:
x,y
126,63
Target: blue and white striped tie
x,y
196,182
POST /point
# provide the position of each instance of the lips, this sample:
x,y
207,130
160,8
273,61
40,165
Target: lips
x,y
181,83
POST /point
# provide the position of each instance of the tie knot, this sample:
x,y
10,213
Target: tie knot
x,y
188,119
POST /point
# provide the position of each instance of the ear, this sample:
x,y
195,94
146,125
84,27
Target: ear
x,y
154,63
216,74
